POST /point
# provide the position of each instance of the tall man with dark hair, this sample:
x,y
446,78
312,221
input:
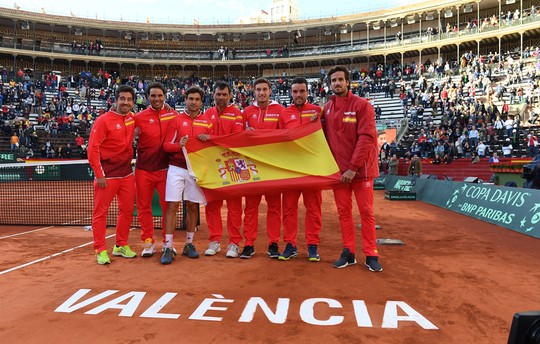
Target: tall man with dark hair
x,y
349,125
300,112
152,162
262,114
226,119
180,184
110,151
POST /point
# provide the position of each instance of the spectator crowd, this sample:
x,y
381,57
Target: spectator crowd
x,y
448,117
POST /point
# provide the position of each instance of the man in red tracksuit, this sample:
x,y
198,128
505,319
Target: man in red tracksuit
x,y
349,126
300,112
110,151
226,119
262,114
181,186
152,162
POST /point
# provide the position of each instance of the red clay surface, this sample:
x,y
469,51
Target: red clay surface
x,y
466,277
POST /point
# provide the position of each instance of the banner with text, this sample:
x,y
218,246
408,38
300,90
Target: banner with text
x,y
513,208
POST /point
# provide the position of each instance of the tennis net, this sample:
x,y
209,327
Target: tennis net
x,y
56,193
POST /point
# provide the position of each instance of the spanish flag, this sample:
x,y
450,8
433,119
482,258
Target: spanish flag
x,y
254,162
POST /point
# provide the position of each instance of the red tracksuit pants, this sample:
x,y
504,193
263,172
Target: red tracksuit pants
x,y
313,221
145,183
234,220
124,190
363,193
273,218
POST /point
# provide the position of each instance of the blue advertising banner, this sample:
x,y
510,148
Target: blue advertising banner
x,y
513,208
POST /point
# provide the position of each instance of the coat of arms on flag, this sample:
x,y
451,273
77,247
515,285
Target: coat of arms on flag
x,y
236,169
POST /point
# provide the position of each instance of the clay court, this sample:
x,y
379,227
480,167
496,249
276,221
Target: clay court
x,y
462,280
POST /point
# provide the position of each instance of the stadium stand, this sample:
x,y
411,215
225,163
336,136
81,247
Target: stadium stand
x,y
431,70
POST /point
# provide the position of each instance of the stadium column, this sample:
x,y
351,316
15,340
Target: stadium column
x,y
478,16
457,34
439,30
367,35
500,21
385,42
499,38
521,40
521,14
402,38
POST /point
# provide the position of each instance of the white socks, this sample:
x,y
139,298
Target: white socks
x,y
169,240
189,237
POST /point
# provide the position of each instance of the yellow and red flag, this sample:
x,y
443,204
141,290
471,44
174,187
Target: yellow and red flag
x,y
256,162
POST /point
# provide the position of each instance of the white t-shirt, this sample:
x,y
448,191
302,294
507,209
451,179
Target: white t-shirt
x,y
507,150
481,149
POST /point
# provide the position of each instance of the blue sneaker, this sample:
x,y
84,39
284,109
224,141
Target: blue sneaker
x,y
313,256
347,258
373,264
290,251
190,251
247,252
273,250
168,256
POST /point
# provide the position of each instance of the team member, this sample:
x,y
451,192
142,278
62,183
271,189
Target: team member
x,y
349,125
180,185
262,114
152,162
226,119
299,113
110,151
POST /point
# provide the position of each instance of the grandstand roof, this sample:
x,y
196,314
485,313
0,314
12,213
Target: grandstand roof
x,y
379,15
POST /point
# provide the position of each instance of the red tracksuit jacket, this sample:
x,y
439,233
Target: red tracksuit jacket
x,y
152,127
293,117
349,126
258,118
110,148
228,122
181,126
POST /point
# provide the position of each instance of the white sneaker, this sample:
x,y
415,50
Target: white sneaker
x,y
213,248
149,248
232,251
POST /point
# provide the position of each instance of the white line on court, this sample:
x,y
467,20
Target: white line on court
x,y
51,256
28,232
44,228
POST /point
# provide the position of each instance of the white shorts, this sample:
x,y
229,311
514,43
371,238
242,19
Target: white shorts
x,y
182,186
